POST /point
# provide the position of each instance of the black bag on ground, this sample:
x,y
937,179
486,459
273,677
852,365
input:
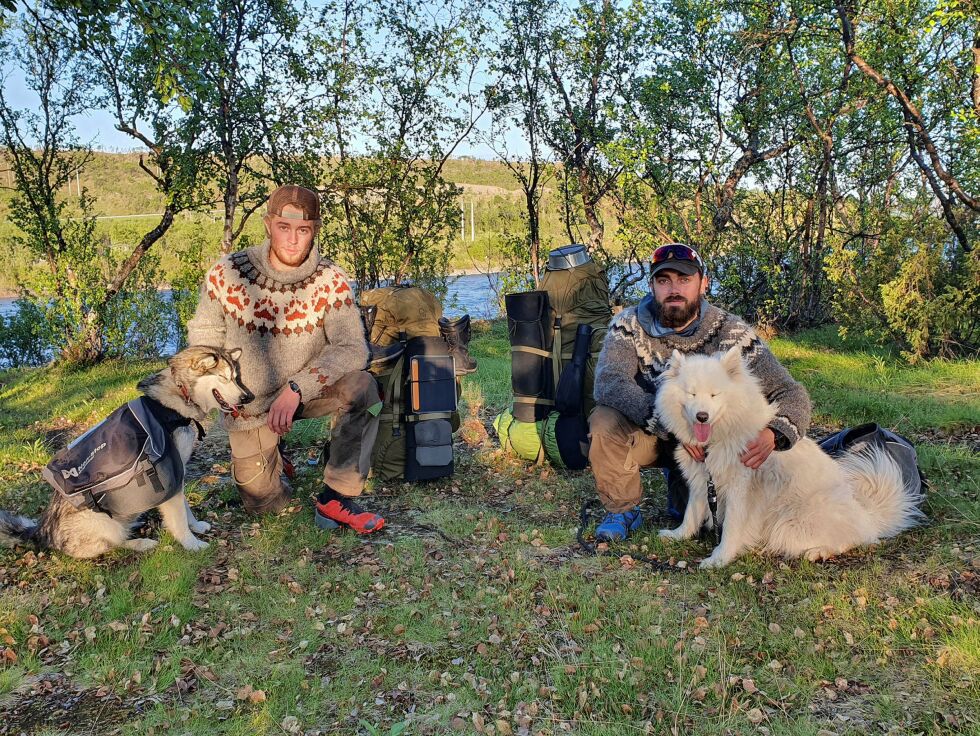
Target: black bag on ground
x,y
125,464
901,450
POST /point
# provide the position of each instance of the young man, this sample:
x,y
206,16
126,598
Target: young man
x,y
303,352
626,435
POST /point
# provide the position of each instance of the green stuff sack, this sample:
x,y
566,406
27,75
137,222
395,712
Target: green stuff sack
x,y
521,438
389,453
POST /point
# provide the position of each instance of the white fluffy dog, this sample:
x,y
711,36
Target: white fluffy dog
x,y
800,502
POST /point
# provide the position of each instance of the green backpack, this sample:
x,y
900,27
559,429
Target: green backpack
x,y
578,296
543,327
414,439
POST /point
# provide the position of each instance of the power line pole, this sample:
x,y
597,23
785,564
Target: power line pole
x,y
472,221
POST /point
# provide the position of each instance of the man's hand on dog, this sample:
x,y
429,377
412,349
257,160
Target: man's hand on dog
x,y
282,411
759,449
755,453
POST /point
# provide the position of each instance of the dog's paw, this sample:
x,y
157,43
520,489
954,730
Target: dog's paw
x,y
200,527
819,555
713,562
674,534
141,544
193,544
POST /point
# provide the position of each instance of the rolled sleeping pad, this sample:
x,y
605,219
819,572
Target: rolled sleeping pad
x,y
566,441
571,385
530,328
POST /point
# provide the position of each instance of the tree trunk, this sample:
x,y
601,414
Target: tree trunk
x,y
231,203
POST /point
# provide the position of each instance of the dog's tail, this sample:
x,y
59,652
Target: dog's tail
x,y
880,488
19,530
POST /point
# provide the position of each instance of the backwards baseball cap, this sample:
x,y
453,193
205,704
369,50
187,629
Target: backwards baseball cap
x,y
301,198
676,257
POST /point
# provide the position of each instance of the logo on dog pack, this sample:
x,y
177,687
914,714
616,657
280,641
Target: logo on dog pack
x,y
80,468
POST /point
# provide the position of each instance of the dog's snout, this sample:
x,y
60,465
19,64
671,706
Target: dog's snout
x,y
702,416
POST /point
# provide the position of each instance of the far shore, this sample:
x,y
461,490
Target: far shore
x,y
8,294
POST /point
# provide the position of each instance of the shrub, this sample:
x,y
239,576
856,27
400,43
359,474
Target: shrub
x,y
23,338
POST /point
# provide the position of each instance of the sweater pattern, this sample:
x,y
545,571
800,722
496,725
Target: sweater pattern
x,y
260,304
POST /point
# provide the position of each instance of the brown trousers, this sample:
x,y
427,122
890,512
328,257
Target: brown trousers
x,y
257,466
619,449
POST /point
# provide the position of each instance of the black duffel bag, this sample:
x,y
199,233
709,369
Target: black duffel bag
x,y
901,450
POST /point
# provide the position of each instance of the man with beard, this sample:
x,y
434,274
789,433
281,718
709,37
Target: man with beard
x,y
626,435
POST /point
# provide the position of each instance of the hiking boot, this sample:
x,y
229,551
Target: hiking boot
x,y
343,510
457,335
617,526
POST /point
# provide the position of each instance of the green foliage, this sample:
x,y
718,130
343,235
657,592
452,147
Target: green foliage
x,y
396,729
186,281
395,108
824,158
22,336
933,307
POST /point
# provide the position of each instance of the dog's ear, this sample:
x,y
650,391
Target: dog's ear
x,y
235,354
732,362
674,366
205,363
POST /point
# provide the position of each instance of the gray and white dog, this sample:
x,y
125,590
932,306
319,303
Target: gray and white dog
x,y
195,381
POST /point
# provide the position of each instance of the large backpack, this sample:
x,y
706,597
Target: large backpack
x,y
556,334
125,464
579,295
418,386
401,308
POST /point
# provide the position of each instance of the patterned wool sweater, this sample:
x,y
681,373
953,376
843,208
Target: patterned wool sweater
x,y
301,325
632,360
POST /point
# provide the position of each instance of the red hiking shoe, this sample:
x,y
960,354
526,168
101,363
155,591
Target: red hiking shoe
x,y
346,512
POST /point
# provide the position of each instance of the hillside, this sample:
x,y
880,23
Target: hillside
x,y
124,196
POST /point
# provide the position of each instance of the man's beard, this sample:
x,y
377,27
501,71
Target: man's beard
x,y
676,314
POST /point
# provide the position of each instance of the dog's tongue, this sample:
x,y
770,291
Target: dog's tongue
x,y
702,431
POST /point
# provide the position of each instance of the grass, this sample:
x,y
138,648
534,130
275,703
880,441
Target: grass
x,y
476,612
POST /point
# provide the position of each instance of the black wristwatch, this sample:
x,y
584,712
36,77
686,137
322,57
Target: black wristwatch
x,y
293,386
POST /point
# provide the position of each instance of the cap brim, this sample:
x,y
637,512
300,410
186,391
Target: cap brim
x,y
686,267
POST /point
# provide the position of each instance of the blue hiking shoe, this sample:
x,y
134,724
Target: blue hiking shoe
x,y
617,526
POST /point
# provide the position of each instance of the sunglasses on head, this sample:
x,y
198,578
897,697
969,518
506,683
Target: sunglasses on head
x,y
678,252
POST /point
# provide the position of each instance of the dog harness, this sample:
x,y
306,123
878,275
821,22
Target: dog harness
x,y
126,464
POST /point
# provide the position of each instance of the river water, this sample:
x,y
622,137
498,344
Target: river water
x,y
468,294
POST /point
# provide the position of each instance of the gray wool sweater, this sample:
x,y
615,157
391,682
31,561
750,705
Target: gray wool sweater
x,y
632,360
301,325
